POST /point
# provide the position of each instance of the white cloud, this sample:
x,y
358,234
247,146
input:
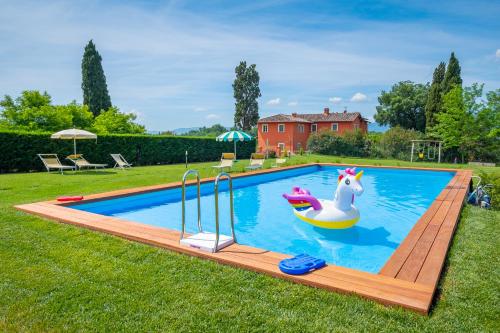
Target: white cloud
x,y
497,54
274,101
212,116
199,109
359,97
335,100
293,103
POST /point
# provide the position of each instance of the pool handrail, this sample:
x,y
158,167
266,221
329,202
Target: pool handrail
x,y
231,207
186,174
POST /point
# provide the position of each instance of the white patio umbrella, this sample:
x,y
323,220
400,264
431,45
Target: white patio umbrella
x,y
234,136
73,134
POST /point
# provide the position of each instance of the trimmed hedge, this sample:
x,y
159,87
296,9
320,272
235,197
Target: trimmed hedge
x,y
19,149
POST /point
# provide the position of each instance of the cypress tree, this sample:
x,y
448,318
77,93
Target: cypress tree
x,y
246,91
452,76
433,105
95,90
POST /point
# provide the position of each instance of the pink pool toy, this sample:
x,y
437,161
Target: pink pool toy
x,y
302,199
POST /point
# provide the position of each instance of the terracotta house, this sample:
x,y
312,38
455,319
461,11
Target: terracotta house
x,y
290,132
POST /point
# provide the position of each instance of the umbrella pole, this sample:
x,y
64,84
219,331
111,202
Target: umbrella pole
x,y
234,149
74,146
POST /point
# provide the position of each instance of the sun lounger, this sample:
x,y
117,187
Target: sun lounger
x,y
279,162
51,161
120,161
81,163
256,161
226,161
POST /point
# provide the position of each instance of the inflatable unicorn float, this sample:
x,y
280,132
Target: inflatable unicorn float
x,y
339,213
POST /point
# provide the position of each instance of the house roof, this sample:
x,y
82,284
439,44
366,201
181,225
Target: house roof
x,y
311,117
278,118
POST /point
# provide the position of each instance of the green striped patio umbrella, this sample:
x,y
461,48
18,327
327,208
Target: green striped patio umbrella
x,y
234,136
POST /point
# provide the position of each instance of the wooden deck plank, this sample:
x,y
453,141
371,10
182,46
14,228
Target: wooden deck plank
x,y
449,186
398,258
413,264
393,266
431,269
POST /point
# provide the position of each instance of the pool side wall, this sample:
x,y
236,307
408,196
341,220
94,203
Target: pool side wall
x,y
408,279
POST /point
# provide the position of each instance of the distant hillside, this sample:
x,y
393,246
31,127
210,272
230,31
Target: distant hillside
x,y
374,127
184,130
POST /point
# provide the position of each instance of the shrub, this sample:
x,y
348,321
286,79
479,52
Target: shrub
x,y
19,149
396,143
492,178
330,143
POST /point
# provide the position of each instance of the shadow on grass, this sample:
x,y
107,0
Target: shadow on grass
x,y
89,172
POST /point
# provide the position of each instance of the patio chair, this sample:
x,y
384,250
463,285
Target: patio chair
x,y
80,162
279,162
120,161
256,161
226,161
51,161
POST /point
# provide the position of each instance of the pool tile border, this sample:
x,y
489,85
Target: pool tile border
x,y
408,279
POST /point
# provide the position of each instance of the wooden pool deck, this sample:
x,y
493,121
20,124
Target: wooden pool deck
x,y
408,279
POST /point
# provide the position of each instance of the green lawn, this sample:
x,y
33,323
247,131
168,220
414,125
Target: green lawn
x,y
56,277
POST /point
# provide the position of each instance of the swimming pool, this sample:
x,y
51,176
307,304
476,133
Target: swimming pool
x,y
393,201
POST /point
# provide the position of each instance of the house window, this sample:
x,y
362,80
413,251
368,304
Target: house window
x,y
301,128
356,126
314,127
264,128
281,147
335,127
299,146
281,128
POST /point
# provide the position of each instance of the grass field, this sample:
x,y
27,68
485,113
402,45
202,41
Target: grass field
x,y
56,277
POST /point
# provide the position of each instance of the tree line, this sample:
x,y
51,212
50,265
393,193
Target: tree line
x,y
465,119
34,110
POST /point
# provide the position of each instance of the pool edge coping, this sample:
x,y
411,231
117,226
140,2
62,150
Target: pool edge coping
x,y
409,278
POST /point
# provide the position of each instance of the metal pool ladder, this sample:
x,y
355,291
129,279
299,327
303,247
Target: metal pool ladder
x,y
204,240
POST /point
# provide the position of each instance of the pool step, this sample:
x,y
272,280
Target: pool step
x,y
205,241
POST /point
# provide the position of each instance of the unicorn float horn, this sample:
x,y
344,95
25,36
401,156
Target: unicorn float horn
x,y
358,175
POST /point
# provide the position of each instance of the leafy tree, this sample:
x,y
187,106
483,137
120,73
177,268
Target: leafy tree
x,y
452,76
396,143
470,125
403,106
113,121
33,111
433,105
246,91
493,114
95,90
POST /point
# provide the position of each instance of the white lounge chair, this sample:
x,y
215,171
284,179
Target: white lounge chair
x,y
51,161
120,161
256,161
279,162
226,161
80,162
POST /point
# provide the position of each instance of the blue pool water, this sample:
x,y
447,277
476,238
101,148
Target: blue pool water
x,y
391,204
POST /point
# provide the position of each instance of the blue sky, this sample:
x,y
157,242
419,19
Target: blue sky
x,y
172,62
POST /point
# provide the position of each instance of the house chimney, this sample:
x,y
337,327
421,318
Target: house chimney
x,y
294,114
326,111
345,109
